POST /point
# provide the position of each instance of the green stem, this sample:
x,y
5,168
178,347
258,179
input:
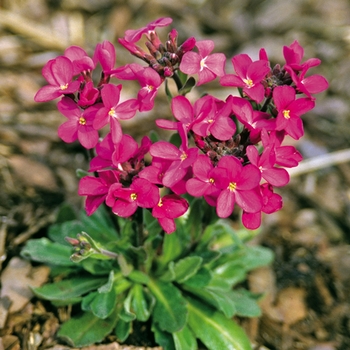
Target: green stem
x,y
266,104
177,81
108,253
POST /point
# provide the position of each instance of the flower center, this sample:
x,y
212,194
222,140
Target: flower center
x,y
183,156
64,87
286,113
248,82
211,181
112,113
202,63
133,196
232,186
82,121
149,88
160,203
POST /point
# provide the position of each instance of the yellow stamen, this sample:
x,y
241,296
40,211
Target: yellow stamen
x,y
232,186
160,203
248,82
211,180
82,121
183,156
133,196
64,87
286,113
112,113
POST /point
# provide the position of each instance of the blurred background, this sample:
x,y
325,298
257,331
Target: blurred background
x,y
307,303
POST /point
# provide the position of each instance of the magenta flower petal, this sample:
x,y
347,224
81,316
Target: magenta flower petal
x,y
190,63
225,204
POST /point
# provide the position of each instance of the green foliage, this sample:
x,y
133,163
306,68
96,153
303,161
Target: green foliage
x,y
120,272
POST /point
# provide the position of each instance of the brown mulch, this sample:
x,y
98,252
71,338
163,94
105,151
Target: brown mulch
x,y
307,303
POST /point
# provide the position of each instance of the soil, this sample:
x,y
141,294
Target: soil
x,y
307,302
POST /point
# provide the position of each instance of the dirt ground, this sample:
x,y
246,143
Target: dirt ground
x,y
307,303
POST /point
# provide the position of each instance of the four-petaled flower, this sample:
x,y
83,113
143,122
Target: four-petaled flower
x,y
207,66
113,110
79,123
249,76
289,110
59,74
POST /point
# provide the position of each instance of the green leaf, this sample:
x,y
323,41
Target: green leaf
x,y
167,90
164,339
214,329
80,173
257,256
232,272
125,267
194,221
185,340
142,303
190,83
59,231
96,267
66,302
153,135
201,279
122,330
172,249
65,213
138,277
108,286
45,251
126,314
104,304
245,305
99,226
170,309
151,225
221,300
186,268
86,329
69,288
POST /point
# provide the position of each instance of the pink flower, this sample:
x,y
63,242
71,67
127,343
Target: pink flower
x,y
205,181
271,203
80,59
105,54
238,184
289,110
150,82
79,123
249,76
181,158
266,164
254,121
169,207
88,95
184,112
114,110
215,120
125,201
58,73
134,35
96,189
207,66
312,84
286,156
111,155
293,54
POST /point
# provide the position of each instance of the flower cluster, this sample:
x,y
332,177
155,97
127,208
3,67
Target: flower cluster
x,y
231,150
